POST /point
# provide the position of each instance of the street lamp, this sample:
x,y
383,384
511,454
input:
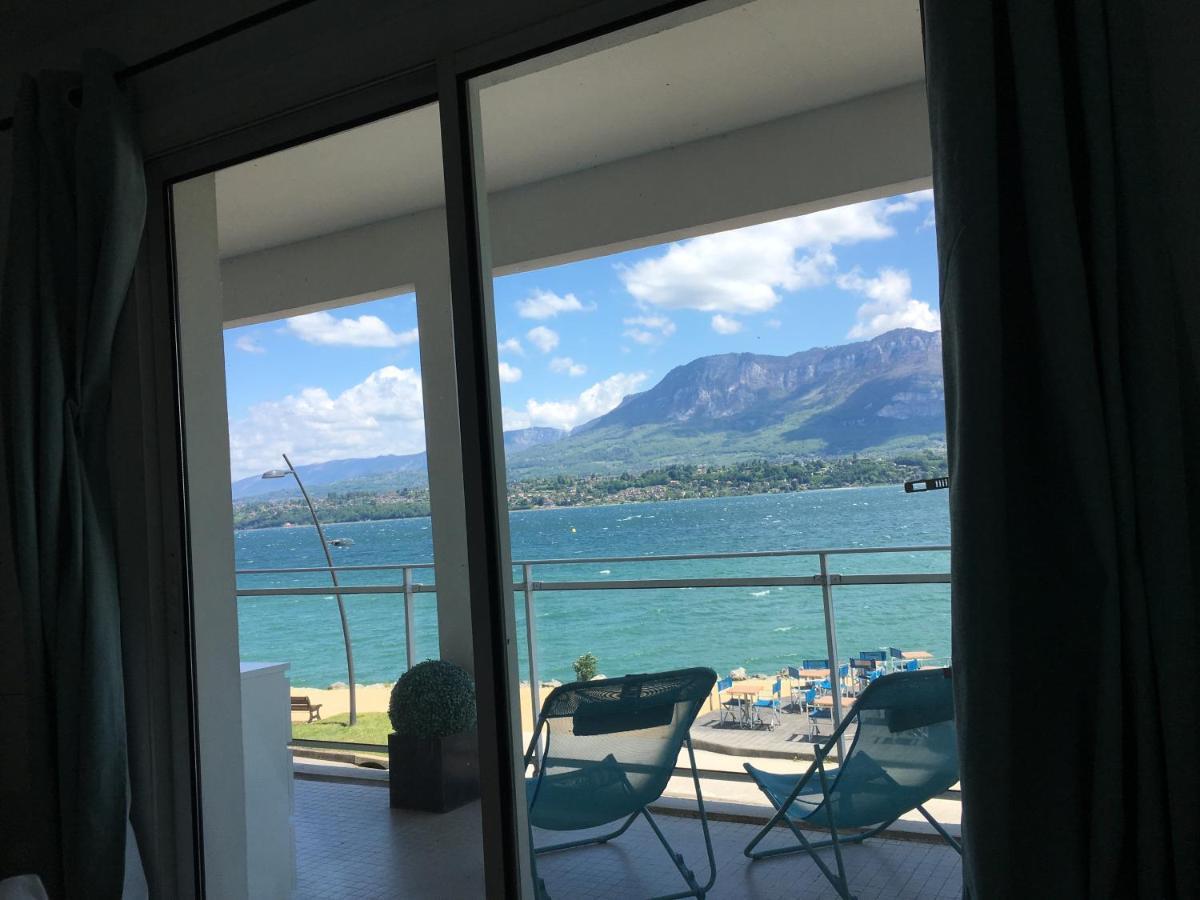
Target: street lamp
x,y
284,473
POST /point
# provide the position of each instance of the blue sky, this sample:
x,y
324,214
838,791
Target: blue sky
x,y
574,339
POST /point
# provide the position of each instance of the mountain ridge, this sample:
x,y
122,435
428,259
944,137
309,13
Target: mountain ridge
x,y
881,396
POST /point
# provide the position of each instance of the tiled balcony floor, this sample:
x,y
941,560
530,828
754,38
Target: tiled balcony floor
x,y
349,843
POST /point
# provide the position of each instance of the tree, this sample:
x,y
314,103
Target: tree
x,y
585,667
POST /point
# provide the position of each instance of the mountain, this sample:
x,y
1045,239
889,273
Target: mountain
x,y
378,472
879,397
882,396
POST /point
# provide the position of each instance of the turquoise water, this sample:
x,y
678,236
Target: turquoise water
x,y
630,630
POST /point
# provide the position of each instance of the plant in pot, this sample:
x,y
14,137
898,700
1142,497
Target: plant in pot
x,y
585,667
433,757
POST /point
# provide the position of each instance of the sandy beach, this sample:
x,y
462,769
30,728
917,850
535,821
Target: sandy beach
x,y
375,697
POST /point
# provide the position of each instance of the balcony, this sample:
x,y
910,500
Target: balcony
x,y
350,844
347,838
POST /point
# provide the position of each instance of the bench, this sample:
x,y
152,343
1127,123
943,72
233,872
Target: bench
x,y
304,705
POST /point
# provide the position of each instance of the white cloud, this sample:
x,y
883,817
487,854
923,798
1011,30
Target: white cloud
x,y
509,374
774,324
248,344
598,399
547,304
364,331
381,414
725,325
744,271
512,345
649,329
545,339
889,304
568,365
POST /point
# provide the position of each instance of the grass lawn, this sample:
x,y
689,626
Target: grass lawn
x,y
371,728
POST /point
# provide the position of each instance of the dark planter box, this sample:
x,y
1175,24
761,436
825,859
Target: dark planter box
x,y
433,774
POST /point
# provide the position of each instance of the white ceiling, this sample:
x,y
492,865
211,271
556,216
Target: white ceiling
x,y
742,66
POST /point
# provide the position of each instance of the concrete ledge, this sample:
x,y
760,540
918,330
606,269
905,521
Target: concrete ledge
x,y
343,772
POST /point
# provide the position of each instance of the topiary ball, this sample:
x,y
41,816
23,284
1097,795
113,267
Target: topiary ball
x,y
434,698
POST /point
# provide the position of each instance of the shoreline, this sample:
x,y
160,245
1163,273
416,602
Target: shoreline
x,y
592,505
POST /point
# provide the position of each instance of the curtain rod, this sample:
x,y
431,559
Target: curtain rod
x,y
199,43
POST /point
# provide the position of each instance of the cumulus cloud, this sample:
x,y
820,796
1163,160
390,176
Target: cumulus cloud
x,y
509,374
363,331
567,365
598,399
547,304
889,303
381,414
649,329
725,325
545,339
512,345
248,344
745,271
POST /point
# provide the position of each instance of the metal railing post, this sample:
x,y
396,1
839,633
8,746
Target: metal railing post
x,y
835,677
410,641
535,692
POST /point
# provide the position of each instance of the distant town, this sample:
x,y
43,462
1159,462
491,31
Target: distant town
x,y
675,482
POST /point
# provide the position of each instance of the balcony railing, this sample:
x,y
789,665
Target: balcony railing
x,y
528,586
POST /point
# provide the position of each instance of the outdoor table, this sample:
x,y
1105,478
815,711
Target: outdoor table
x,y
827,700
814,673
916,654
746,693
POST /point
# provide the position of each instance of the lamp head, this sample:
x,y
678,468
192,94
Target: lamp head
x,y
276,473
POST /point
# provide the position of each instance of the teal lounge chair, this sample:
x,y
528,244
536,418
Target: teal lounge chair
x,y
610,748
904,753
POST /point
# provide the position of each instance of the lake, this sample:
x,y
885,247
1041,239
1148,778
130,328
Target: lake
x,y
760,628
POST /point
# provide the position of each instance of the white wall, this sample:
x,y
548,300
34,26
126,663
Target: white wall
x,y
210,510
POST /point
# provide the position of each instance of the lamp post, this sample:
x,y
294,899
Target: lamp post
x,y
283,473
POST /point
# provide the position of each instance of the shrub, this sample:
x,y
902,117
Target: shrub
x,y
585,667
434,698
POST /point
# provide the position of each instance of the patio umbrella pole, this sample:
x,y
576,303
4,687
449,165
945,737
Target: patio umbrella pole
x,y
332,574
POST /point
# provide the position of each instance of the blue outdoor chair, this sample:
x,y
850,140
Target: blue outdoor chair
x,y
796,700
730,708
904,753
814,664
772,704
879,656
610,748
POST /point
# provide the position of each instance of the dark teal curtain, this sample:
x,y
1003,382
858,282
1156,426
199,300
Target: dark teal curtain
x,y
78,208
1064,172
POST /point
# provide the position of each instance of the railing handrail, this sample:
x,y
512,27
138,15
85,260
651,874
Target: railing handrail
x,y
824,580
665,557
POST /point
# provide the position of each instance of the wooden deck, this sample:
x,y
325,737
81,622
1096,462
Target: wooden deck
x,y
792,738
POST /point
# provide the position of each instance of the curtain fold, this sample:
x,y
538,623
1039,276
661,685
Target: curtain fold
x,y
78,208
1072,360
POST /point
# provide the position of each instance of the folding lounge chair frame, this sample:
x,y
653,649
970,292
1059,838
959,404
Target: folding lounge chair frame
x,y
931,709
616,741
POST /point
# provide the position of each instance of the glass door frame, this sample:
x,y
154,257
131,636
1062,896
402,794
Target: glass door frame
x,y
447,80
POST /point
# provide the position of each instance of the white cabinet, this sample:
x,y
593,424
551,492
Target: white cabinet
x,y
266,730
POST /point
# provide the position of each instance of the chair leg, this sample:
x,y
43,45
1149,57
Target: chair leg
x,y
601,839
839,881
937,826
695,889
